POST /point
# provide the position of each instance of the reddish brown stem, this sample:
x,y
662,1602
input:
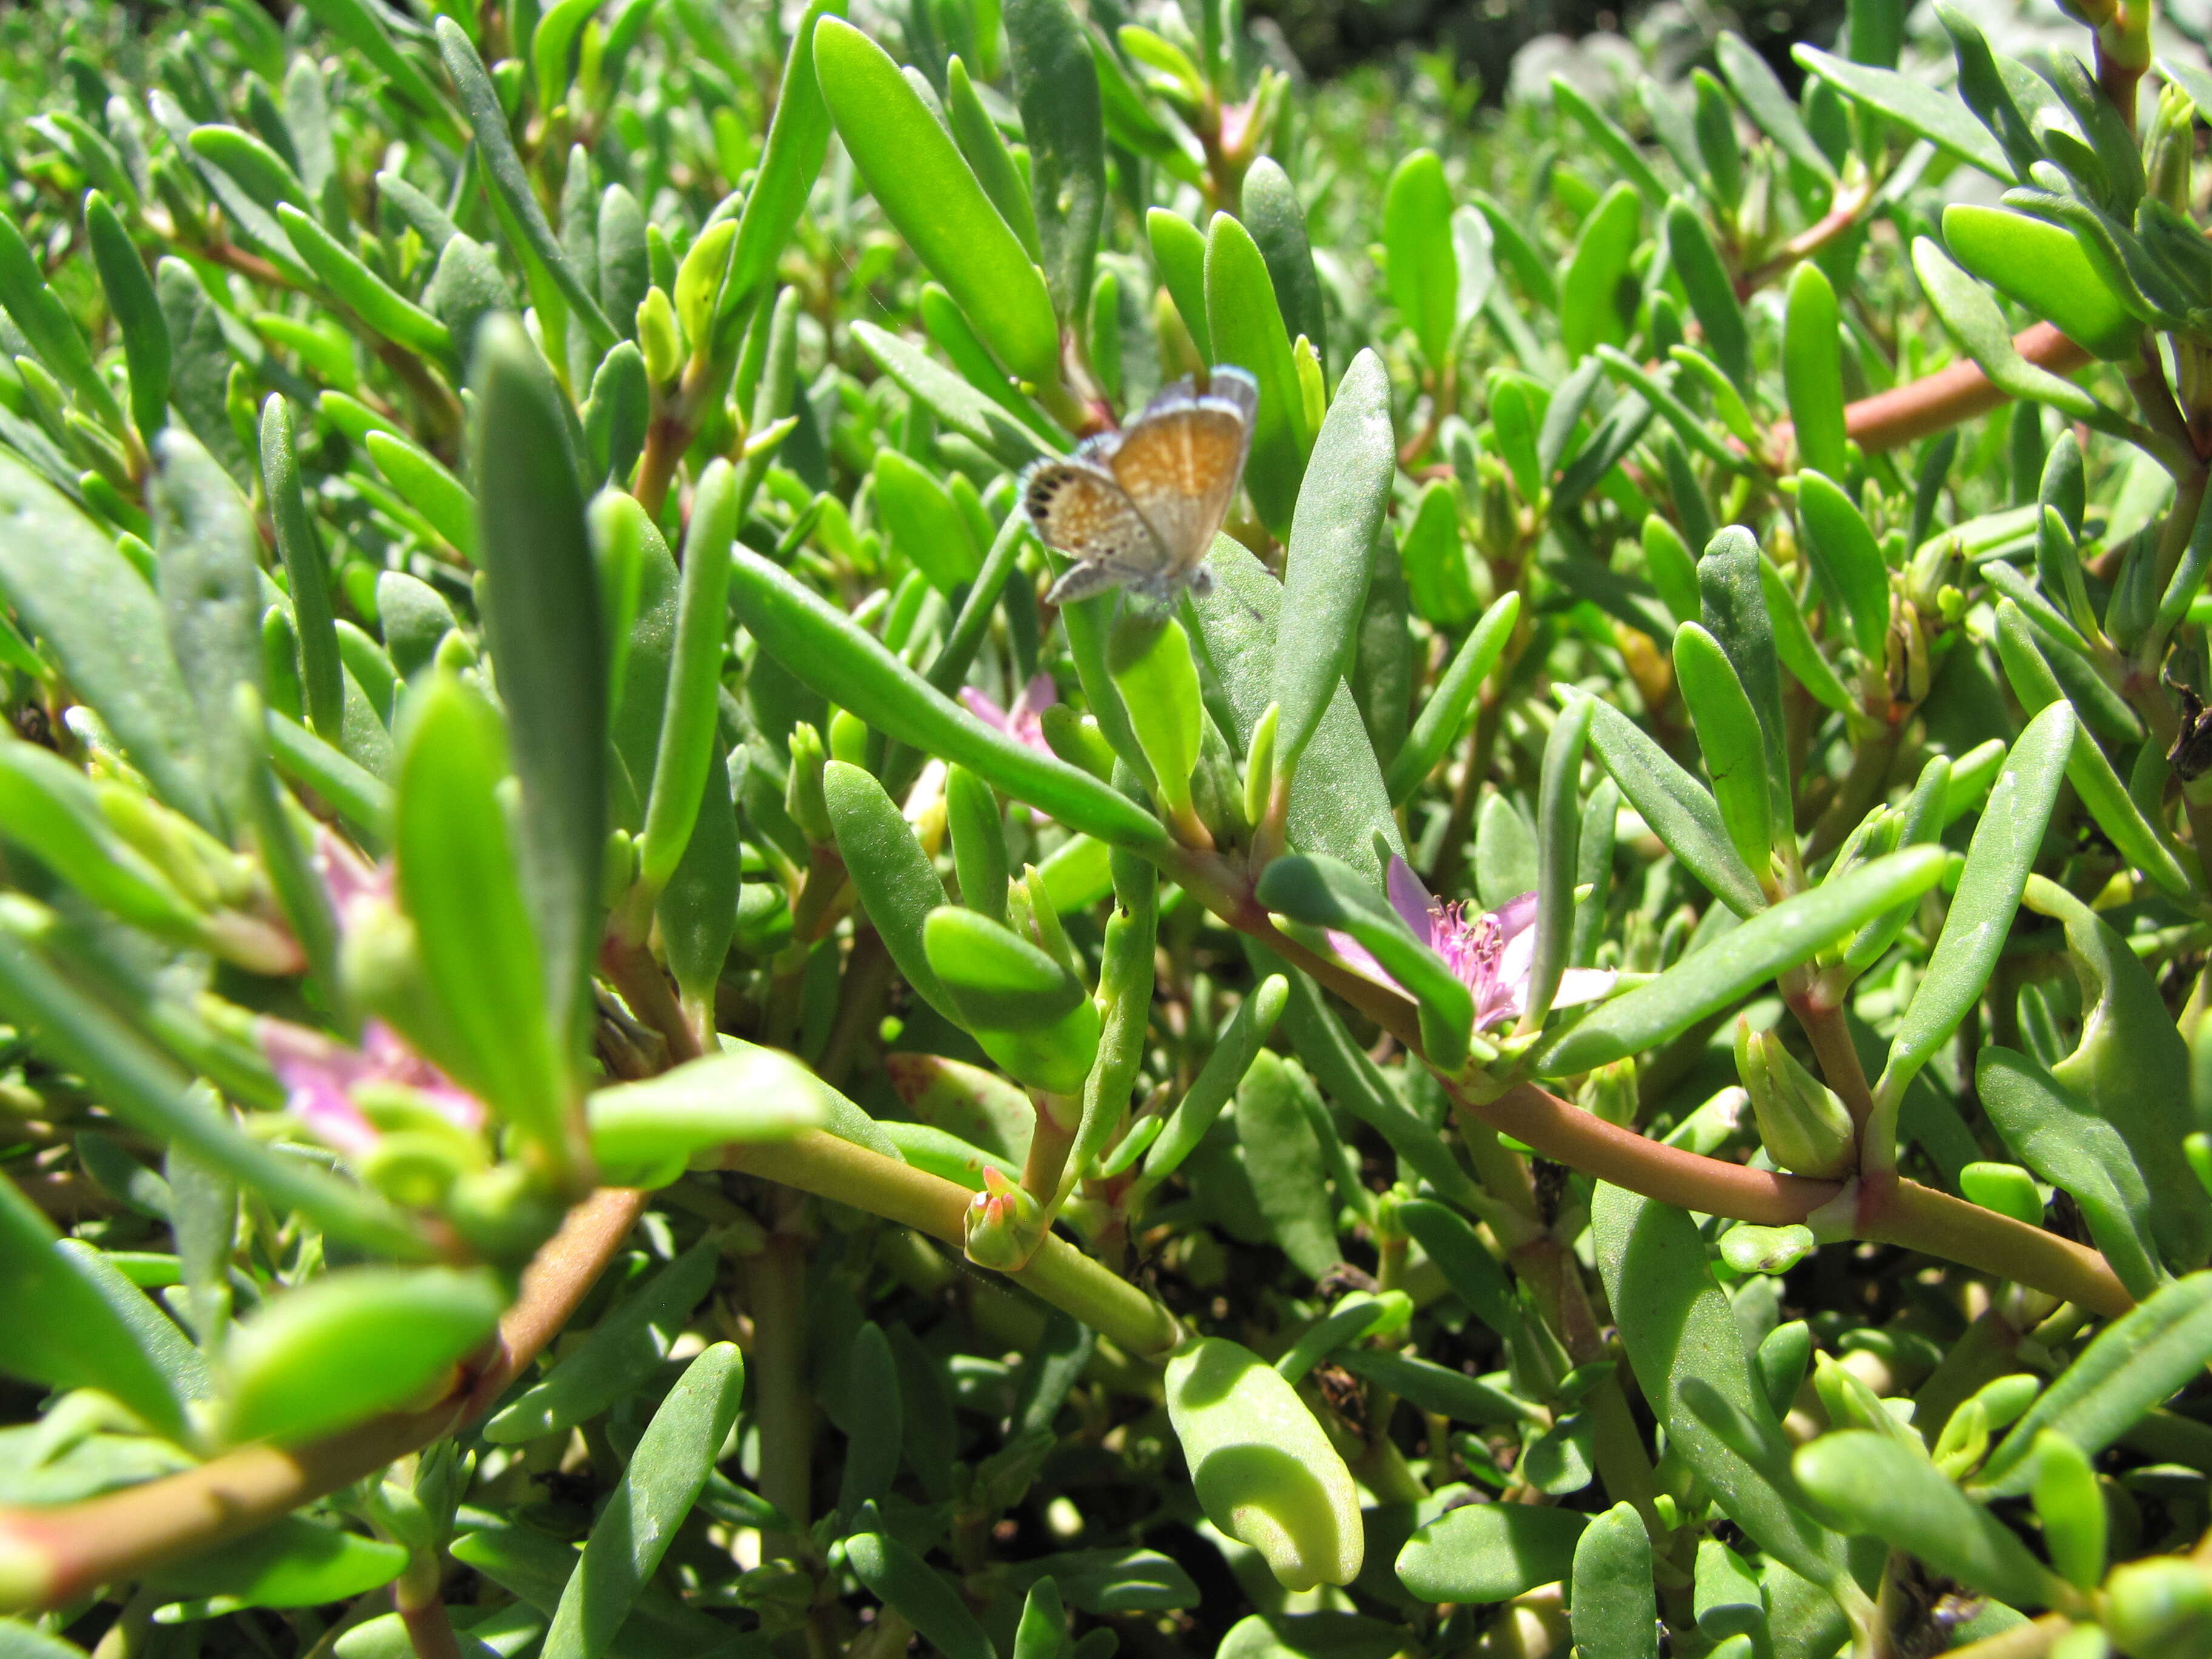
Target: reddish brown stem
x,y
51,1556
1947,396
644,986
665,441
430,1632
1806,242
1839,1060
1673,1175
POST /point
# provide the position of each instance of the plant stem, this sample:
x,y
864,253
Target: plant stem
x,y
422,1607
816,1162
1672,1175
665,441
1839,1060
1895,1211
2029,1640
1889,419
645,988
776,1279
1889,1210
126,1638
49,1556
1871,757
1838,219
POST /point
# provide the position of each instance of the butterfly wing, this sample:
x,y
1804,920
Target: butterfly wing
x,y
1078,509
1180,462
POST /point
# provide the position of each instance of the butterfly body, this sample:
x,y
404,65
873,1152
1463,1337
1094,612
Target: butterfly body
x,y
1137,508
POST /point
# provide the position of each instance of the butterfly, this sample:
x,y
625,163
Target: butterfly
x,y
1139,507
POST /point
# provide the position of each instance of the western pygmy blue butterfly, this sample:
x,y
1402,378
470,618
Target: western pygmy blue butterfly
x,y
1140,506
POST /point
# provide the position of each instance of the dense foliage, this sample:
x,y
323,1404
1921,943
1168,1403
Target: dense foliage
x,y
624,1041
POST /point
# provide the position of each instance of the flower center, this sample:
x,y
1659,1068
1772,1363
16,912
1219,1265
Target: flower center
x,y
1468,944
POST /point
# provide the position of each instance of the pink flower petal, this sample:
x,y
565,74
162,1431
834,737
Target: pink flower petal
x,y
317,1075
1358,957
1515,916
392,1061
352,880
1411,901
1502,1001
1518,958
983,708
1039,695
1581,985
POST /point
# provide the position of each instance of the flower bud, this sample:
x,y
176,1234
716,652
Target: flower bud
x,y
658,338
1313,394
1259,764
1497,526
1803,1124
699,282
2170,149
2161,1606
802,789
1850,1404
2071,1507
1076,738
1610,1093
1002,1224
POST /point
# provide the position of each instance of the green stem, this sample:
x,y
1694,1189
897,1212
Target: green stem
x,y
868,976
126,1638
1898,1212
1058,1273
1872,754
2029,1641
776,1279
1051,1142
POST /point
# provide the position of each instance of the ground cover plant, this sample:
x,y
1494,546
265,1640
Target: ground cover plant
x,y
646,1016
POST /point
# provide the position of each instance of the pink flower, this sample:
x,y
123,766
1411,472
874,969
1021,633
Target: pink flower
x,y
320,1073
1023,722
1490,951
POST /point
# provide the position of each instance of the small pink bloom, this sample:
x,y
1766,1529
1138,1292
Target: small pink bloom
x,y
1490,951
352,879
320,1073
1024,721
